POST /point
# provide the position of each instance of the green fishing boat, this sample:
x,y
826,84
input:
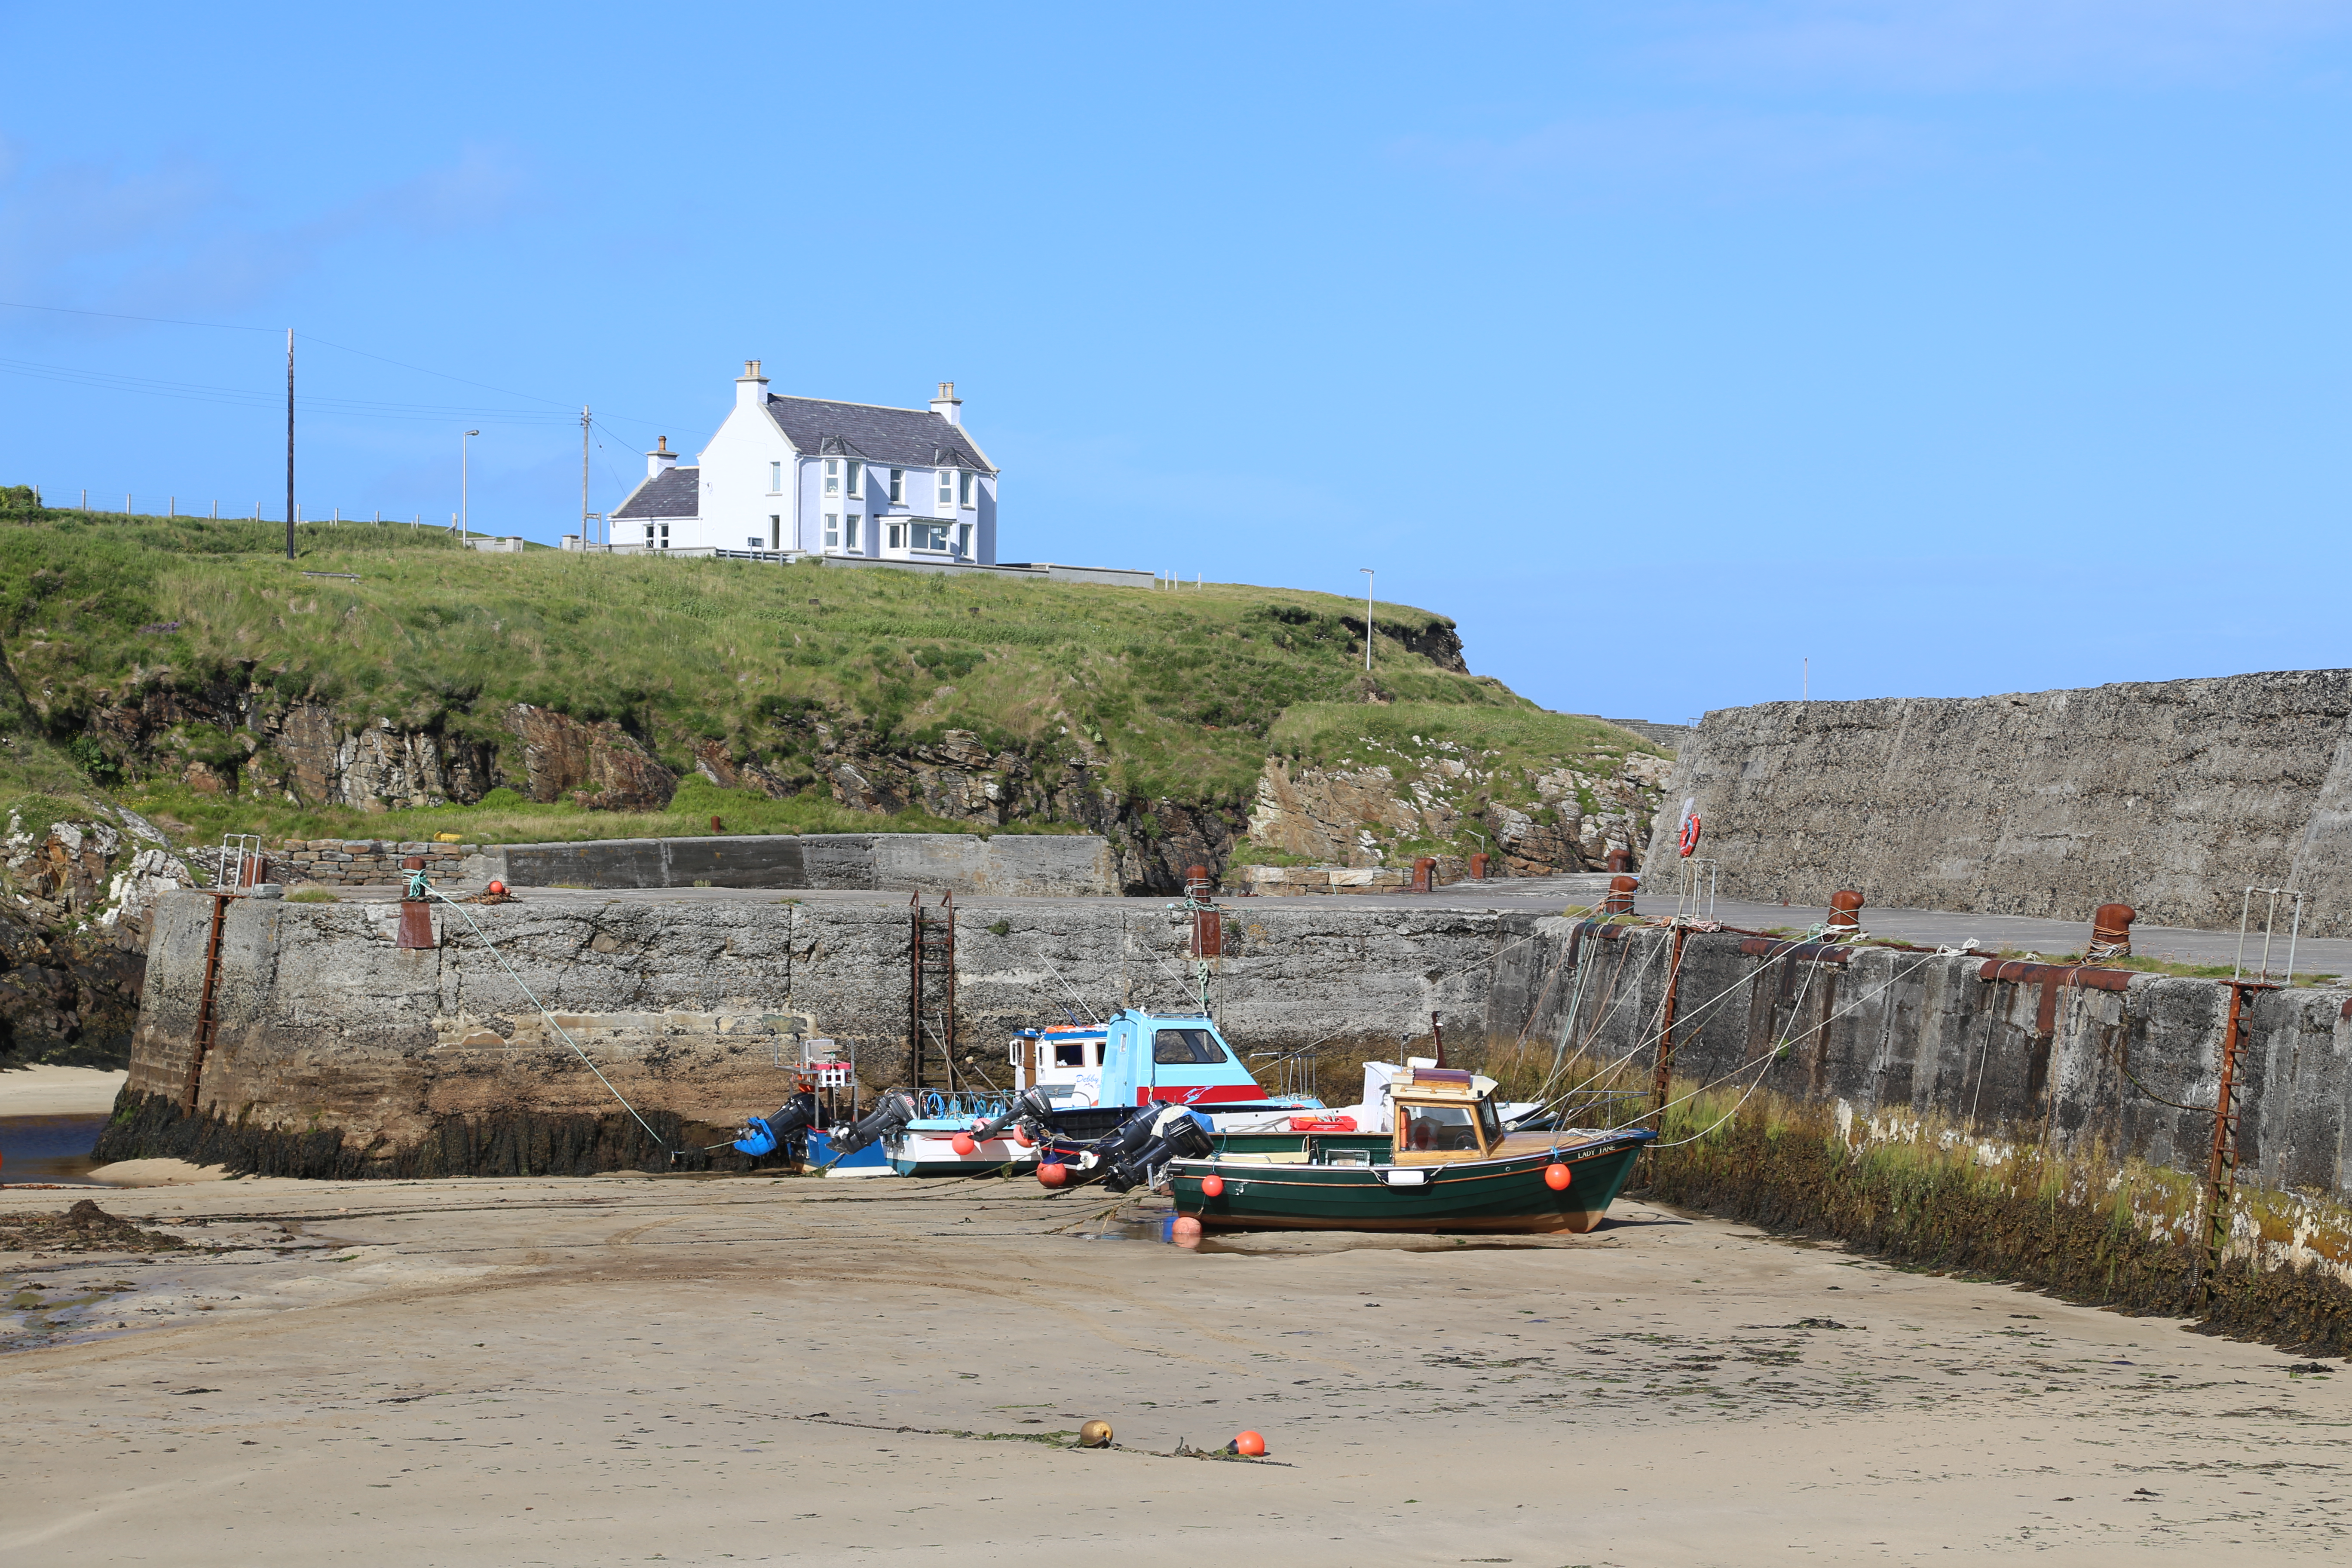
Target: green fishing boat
x,y
1447,1165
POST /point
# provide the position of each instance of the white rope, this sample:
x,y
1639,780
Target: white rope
x,y
526,990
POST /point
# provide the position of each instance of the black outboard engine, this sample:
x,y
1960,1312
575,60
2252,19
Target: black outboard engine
x,y
1031,1107
891,1112
790,1124
1148,1141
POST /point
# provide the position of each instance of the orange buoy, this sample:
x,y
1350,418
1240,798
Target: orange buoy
x,y
498,890
1021,1136
1249,1443
1186,1229
962,1144
1053,1173
1556,1177
1212,1186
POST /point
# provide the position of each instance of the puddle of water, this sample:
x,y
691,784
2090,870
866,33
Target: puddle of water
x,y
49,1148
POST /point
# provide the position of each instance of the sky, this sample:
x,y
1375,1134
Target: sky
x,y
1688,354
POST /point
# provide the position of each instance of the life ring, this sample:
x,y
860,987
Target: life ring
x,y
1687,839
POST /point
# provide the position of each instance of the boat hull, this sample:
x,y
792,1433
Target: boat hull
x,y
1505,1194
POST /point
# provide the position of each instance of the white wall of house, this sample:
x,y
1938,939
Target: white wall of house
x,y
741,468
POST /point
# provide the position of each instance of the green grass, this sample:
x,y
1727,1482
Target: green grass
x,y
203,818
1509,733
1173,694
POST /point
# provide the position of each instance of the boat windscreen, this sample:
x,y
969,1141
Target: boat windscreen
x,y
1437,1127
1185,1048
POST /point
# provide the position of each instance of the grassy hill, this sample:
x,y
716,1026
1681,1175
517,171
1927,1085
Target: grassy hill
x,y
151,651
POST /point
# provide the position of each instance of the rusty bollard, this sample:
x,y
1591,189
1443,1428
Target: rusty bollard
x,y
2110,931
1620,901
1620,859
1479,867
1845,911
416,914
1424,874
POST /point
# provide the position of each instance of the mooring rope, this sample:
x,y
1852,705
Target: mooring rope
x,y
419,884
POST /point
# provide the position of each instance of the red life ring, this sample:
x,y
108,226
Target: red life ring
x,y
1689,838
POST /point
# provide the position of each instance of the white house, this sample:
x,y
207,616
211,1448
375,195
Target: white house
x,y
804,474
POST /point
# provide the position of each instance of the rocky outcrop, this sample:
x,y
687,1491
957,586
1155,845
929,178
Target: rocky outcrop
x,y
1439,799
601,764
2172,796
75,899
243,738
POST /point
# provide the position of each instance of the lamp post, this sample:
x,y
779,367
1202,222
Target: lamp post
x,y
461,482
1367,618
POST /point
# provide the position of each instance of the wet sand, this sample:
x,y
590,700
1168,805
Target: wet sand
x,y
756,1370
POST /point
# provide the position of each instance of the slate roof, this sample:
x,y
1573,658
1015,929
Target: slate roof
x,y
910,437
673,492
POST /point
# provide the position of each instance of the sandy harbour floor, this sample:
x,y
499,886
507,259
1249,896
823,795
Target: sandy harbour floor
x,y
760,1370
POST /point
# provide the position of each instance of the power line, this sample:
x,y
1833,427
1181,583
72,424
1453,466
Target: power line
x,y
119,316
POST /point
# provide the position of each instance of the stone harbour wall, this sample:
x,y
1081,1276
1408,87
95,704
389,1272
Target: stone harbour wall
x,y
2172,796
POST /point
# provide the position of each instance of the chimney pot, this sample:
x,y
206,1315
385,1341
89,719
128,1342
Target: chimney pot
x,y
947,404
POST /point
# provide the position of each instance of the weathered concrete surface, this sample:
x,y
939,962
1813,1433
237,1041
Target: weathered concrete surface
x,y
1924,1036
1010,865
2172,796
697,1007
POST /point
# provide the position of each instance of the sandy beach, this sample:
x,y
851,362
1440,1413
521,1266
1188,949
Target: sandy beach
x,y
58,1091
766,1370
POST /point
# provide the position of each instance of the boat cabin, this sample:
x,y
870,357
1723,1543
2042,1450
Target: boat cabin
x,y
1443,1115
1134,1059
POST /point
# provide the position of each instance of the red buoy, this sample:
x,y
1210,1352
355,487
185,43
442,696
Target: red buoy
x,y
1053,1175
962,1144
1249,1443
498,890
1021,1136
1212,1186
1186,1230
1556,1177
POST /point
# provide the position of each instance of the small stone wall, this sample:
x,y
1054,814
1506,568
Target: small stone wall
x,y
362,862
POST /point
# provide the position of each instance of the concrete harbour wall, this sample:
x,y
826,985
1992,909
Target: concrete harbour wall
x,y
2171,796
1007,865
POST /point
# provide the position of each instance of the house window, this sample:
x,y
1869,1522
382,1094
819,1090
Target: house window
x,y
965,498
664,536
898,536
776,478
964,539
947,487
833,475
649,536
853,532
898,486
856,477
926,535
775,531
833,530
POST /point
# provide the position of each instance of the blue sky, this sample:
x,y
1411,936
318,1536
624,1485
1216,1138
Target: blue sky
x,y
1958,347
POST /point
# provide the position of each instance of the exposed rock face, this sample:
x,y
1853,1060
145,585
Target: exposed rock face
x,y
1432,801
230,739
2172,796
603,762
74,905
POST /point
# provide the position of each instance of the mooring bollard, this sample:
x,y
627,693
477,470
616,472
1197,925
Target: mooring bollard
x,y
2110,931
1478,868
1620,859
1196,883
1845,911
1620,901
1424,874
416,914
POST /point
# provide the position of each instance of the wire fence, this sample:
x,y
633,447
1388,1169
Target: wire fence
x,y
103,503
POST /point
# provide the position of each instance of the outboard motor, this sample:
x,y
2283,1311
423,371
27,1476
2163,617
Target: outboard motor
x,y
1031,1106
1148,1140
891,1114
766,1134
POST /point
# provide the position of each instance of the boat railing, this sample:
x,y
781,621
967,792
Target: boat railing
x,y
944,1105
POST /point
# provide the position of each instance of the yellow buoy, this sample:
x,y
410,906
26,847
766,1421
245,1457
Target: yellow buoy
x,y
1095,1434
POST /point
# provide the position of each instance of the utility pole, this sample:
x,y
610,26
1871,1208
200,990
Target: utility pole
x,y
461,482
290,443
1367,618
584,476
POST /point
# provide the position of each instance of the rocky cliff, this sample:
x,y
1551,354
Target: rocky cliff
x,y
2172,796
75,899
1391,801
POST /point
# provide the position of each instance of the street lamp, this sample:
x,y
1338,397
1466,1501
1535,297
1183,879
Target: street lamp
x,y
461,482
1367,618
